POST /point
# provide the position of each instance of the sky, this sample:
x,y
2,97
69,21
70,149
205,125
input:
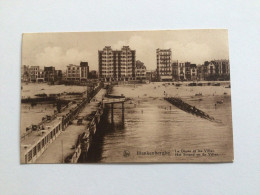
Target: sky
x,y
62,49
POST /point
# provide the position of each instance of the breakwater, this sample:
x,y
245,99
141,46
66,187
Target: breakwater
x,y
179,103
51,98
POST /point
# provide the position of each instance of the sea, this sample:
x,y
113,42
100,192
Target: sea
x,y
150,129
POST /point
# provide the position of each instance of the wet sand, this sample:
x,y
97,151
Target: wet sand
x,y
31,89
33,114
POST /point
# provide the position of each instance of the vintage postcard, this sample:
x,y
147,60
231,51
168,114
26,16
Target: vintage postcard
x,y
126,97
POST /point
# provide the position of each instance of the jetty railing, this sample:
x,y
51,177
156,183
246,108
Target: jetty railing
x,y
85,139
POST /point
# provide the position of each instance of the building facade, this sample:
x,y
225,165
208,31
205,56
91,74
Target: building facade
x,y
140,71
73,73
200,72
175,71
117,64
77,72
25,73
36,74
222,69
187,71
93,74
41,76
184,71
193,72
217,70
84,71
34,71
58,75
181,71
49,74
164,65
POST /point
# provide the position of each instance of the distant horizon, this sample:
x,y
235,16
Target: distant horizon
x,y
61,49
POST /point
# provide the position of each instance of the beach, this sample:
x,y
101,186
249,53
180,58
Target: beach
x,y
152,125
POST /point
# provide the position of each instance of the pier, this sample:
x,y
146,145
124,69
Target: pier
x,y
114,99
65,136
38,144
77,137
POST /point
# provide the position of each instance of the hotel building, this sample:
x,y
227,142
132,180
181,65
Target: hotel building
x,y
117,65
164,65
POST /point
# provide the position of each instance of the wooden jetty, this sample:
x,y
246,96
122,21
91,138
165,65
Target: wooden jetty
x,y
179,103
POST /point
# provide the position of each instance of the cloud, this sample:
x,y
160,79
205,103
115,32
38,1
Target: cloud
x,y
185,47
195,52
145,49
56,56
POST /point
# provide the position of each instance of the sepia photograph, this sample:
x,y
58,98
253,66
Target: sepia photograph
x,y
159,96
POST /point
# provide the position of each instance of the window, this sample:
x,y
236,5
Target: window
x,y
29,155
39,147
34,151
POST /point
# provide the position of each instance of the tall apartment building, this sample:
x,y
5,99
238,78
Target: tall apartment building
x,y
164,65
117,64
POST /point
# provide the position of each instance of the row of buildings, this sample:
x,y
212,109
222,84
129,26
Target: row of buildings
x,y
121,65
73,73
36,74
169,70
